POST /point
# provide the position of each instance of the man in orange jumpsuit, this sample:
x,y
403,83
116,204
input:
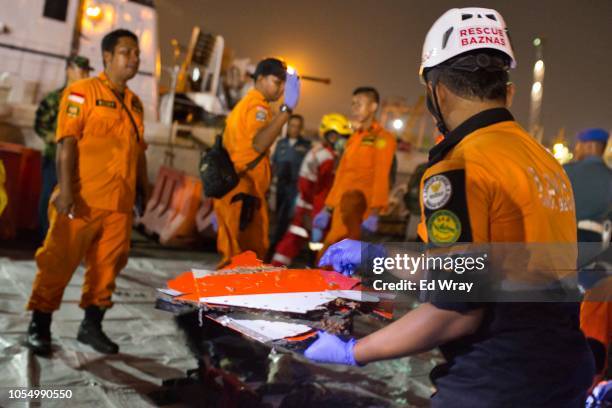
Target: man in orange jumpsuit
x,y
361,187
250,130
100,163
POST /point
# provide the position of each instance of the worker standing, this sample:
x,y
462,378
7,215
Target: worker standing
x,y
45,125
362,183
591,181
286,162
250,131
101,168
481,186
316,177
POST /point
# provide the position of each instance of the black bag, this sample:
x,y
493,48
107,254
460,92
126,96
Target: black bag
x,y
217,171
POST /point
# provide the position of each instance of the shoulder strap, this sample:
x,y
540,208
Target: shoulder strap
x,y
126,110
253,163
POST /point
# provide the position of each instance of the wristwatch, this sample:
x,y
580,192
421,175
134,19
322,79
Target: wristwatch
x,y
286,108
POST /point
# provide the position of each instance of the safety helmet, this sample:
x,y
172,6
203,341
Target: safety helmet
x,y
336,122
459,31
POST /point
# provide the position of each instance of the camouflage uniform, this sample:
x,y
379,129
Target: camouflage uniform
x,y
46,121
44,126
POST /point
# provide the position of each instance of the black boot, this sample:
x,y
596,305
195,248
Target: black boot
x,y
39,333
90,331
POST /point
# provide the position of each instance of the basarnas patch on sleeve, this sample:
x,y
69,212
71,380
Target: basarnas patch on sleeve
x,y
262,114
443,227
73,110
437,191
76,97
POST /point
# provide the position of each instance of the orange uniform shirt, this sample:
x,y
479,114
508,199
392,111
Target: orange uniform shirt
x,y
501,186
365,166
107,144
496,183
248,116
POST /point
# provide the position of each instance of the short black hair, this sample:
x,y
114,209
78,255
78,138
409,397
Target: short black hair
x,y
296,116
476,82
111,39
271,66
369,91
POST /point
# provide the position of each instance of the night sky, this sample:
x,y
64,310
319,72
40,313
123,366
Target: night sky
x,y
378,43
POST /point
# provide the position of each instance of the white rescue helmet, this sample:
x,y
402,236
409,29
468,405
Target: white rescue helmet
x,y
462,30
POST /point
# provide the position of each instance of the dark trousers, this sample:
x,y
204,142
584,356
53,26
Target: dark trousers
x,y
49,180
285,202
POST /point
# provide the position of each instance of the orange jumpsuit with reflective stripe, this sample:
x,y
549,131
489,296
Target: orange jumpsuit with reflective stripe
x,y
250,115
104,188
361,183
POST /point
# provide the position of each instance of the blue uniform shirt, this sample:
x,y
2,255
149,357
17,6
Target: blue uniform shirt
x,y
287,159
591,181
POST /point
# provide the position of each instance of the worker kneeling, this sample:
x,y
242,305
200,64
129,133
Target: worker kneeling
x,y
486,174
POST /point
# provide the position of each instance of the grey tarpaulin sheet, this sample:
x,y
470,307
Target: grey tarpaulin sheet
x,y
153,349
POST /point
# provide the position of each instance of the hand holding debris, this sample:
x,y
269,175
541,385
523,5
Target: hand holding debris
x,y
346,255
331,349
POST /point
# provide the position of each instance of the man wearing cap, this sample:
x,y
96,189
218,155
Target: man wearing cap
x,y
45,123
483,185
250,131
591,181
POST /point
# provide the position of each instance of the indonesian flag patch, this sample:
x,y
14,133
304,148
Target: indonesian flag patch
x,y
76,98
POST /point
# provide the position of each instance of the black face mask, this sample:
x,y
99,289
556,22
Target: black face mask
x,y
434,108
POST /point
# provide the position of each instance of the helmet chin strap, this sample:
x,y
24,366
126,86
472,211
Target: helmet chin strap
x,y
434,107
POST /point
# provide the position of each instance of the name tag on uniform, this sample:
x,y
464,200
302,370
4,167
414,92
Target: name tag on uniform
x,y
106,104
368,140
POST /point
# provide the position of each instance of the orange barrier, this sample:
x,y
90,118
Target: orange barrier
x,y
204,218
174,208
23,186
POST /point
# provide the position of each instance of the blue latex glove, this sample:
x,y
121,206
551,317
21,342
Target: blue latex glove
x,y
332,350
316,235
214,222
371,223
600,397
321,220
292,90
345,256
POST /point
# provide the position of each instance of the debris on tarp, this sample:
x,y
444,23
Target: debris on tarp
x,y
266,294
